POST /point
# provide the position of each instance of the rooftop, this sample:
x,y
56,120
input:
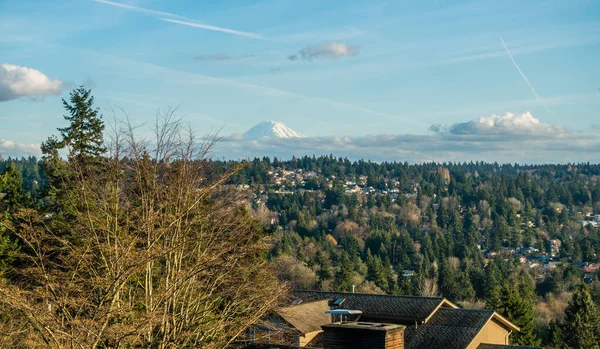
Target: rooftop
x,y
404,309
306,317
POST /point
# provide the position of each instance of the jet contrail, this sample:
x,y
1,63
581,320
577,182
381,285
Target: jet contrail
x,y
214,28
160,15
139,9
537,96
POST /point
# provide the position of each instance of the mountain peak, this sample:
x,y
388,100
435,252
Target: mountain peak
x,y
271,129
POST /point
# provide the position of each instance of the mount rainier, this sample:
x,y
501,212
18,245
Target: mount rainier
x,y
271,129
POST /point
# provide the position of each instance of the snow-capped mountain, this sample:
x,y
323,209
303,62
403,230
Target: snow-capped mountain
x,y
271,129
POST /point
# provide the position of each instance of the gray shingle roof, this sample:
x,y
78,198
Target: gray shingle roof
x,y
402,309
448,328
434,337
461,318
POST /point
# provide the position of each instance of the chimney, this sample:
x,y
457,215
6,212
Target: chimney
x,y
363,335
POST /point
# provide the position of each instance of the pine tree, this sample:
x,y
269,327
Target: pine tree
x,y
324,272
520,311
12,198
84,135
499,233
465,286
12,195
345,274
582,322
376,271
493,277
447,281
83,139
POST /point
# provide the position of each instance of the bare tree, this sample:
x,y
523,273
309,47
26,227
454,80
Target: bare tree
x,y
159,254
429,288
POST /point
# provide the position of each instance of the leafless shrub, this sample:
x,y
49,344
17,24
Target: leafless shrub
x,y
299,275
429,288
157,256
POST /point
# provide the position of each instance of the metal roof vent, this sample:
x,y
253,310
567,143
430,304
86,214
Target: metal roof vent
x,y
343,315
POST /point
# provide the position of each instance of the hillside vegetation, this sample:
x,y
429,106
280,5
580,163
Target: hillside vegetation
x,y
125,242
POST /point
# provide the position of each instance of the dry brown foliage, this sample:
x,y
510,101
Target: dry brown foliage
x,y
156,256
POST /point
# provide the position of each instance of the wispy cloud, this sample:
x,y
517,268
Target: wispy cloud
x,y
177,19
214,28
537,96
222,57
326,50
596,127
167,73
213,58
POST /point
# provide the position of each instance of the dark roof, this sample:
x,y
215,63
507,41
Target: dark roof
x,y
400,309
502,346
447,328
442,337
460,318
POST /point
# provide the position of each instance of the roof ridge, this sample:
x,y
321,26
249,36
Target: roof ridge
x,y
471,310
368,294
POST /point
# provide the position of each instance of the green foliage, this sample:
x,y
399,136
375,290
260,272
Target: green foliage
x,y
84,135
581,327
345,274
12,194
520,310
12,198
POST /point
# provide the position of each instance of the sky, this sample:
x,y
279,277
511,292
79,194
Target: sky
x,y
506,81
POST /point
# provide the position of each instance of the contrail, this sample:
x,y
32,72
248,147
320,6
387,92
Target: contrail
x,y
139,9
214,28
181,20
537,96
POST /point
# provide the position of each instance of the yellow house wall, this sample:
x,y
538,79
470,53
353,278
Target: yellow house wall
x,y
491,333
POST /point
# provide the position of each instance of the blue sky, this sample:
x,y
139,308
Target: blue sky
x,y
331,70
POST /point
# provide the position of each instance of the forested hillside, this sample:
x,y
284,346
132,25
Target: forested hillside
x,y
93,246
515,238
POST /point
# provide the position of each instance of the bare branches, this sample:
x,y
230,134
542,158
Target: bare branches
x,y
157,255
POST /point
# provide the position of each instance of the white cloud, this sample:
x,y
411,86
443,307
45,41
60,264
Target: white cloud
x,y
326,50
596,127
17,81
14,149
507,124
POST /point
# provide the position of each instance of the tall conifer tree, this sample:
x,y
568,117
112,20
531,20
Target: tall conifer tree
x,y
582,322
